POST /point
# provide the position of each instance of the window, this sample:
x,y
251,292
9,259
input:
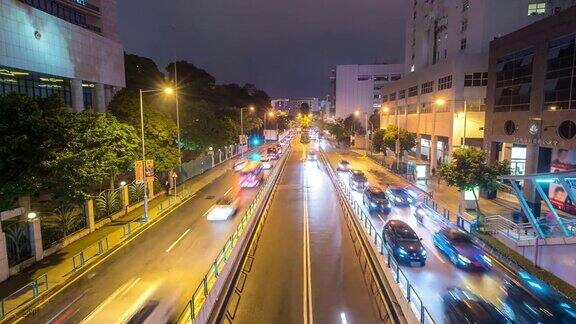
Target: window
x,y
560,83
463,44
465,5
64,11
536,9
445,83
380,78
401,94
34,85
413,91
514,81
395,77
393,96
567,129
401,110
476,79
412,109
427,87
363,78
464,25
384,98
509,127
376,96
426,108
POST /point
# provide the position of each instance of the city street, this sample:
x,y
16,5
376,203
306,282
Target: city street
x,y
432,280
164,264
304,269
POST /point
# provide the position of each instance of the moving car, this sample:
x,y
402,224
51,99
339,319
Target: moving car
x,y
530,300
406,246
460,249
399,196
240,164
376,200
344,166
223,209
311,156
358,180
266,163
272,153
251,176
463,306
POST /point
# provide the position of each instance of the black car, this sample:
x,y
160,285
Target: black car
x,y
406,246
463,306
376,200
530,300
461,250
358,180
399,196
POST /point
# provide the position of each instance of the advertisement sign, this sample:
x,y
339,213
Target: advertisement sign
x,y
243,139
562,160
149,168
138,172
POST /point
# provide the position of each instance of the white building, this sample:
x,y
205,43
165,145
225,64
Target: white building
x,y
357,87
447,43
292,105
70,48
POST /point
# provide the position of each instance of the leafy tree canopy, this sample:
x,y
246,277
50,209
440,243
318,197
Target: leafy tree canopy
x,y
407,139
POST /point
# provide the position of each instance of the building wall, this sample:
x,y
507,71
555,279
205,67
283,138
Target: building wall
x,y
358,87
33,40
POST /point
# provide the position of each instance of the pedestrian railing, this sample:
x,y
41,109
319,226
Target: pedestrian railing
x,y
408,292
203,289
16,299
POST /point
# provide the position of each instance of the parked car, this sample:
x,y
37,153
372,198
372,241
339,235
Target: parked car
x,y
399,196
529,300
358,180
375,200
463,306
406,246
461,250
344,166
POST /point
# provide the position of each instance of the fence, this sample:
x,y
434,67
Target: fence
x,y
203,163
203,290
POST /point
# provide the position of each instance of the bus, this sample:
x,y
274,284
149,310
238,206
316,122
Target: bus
x,y
251,175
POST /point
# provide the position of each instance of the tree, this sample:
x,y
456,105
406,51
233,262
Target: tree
x,y
378,141
407,139
159,129
141,73
468,170
353,124
374,120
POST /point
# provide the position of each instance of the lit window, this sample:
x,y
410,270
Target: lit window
x,y
536,9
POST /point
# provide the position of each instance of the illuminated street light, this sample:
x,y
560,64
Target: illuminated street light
x,y
357,113
310,115
386,109
440,102
251,108
166,91
299,115
271,114
122,183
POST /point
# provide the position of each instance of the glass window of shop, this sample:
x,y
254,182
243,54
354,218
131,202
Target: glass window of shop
x,y
34,85
560,84
88,94
514,81
518,160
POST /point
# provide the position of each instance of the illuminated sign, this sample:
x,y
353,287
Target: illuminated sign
x,y
88,85
51,80
12,73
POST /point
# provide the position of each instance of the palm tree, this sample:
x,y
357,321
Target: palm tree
x,y
64,220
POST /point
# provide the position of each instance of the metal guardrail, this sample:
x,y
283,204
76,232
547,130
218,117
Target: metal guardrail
x,y
32,290
202,291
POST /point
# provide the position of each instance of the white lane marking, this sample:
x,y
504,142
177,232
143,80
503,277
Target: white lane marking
x,y
307,293
178,240
228,191
343,318
115,294
66,307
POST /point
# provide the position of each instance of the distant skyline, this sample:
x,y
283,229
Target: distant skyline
x,y
286,48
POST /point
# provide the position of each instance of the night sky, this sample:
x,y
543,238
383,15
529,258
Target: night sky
x,y
286,47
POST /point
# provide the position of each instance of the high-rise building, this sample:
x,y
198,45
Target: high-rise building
x,y
357,87
531,104
292,105
69,48
442,95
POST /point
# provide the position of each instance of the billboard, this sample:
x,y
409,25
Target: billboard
x,y
562,160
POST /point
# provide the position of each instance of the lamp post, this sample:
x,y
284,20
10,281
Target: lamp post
x,y
251,108
168,91
177,110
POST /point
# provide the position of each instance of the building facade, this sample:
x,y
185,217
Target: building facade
x,y
357,87
292,105
63,47
531,102
442,95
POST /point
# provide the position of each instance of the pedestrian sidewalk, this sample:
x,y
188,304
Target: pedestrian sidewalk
x,y
62,265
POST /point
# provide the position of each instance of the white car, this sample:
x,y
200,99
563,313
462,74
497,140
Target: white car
x,y
266,163
240,164
344,166
223,209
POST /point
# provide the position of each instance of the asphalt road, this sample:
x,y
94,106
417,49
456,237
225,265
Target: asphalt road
x,y
159,269
304,268
432,280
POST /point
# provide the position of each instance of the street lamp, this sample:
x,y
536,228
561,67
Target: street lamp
x,y
31,215
251,108
441,102
167,91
